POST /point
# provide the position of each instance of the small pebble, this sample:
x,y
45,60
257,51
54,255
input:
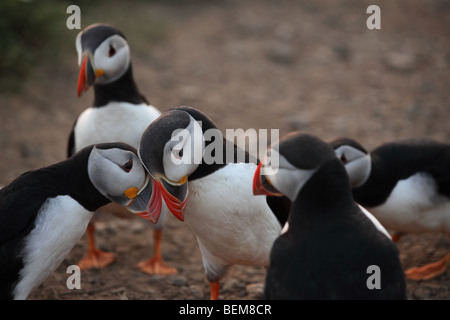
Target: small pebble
x,y
255,290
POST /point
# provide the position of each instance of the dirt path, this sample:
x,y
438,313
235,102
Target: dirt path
x,y
248,64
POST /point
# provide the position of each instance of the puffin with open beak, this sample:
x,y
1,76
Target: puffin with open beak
x,y
212,196
119,113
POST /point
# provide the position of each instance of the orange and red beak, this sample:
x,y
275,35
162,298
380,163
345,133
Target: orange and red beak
x,y
146,202
88,73
82,77
262,185
175,197
154,207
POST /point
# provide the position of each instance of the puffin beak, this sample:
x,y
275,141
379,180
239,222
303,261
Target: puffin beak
x,y
88,73
175,195
262,185
146,202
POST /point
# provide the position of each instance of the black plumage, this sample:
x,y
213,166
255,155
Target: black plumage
x,y
395,161
330,243
22,199
123,89
406,184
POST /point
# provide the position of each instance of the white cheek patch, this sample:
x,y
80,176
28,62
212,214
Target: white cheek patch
x,y
180,148
98,168
271,163
108,177
359,170
358,164
79,48
113,66
350,153
174,167
289,179
192,143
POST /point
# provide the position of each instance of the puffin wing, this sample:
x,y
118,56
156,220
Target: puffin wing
x,y
20,202
17,215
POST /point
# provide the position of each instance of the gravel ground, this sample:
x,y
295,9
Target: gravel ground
x,y
290,65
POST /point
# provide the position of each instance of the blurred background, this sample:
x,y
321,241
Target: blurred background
x,y
292,65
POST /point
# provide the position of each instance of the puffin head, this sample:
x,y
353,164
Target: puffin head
x,y
299,156
117,173
103,55
171,150
356,159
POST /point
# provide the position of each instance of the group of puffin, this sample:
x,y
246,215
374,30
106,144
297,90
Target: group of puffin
x,y
317,220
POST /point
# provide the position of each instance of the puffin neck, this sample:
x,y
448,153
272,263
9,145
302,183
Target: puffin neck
x,y
70,177
123,89
325,191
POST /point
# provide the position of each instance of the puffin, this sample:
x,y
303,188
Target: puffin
x,y
406,184
212,196
44,212
331,248
119,113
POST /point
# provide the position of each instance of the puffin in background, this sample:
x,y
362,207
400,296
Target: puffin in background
x,y
119,113
212,196
406,184
43,213
330,244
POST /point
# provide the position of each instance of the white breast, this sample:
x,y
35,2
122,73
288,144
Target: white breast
x,y
232,224
415,206
116,122
60,223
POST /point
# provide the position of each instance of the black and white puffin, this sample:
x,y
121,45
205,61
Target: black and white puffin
x,y
43,213
330,244
406,184
213,196
119,113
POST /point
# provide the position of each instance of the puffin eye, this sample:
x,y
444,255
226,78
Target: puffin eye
x,y
111,51
178,153
127,166
344,159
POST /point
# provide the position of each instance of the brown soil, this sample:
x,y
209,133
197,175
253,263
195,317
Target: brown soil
x,y
292,65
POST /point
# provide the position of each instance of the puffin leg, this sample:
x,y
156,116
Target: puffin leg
x,y
95,258
430,270
214,287
156,264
